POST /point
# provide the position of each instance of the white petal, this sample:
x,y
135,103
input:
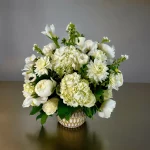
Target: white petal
x,y
52,27
27,102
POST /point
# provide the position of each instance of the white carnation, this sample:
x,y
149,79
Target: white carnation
x,y
76,91
50,106
48,49
97,71
107,108
109,51
45,88
115,81
42,65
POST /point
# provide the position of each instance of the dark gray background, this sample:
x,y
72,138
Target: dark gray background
x,y
125,22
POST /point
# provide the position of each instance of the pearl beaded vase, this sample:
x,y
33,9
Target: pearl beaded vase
x,y
76,120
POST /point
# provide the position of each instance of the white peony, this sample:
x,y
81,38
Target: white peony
x,y
107,94
76,91
98,54
50,106
42,65
115,81
30,60
29,77
28,89
45,88
49,31
109,51
34,101
107,108
48,49
97,71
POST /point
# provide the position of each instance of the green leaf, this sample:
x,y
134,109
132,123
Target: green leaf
x,y
35,109
43,118
90,111
39,116
98,93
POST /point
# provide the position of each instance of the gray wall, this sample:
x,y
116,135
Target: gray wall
x,y
125,22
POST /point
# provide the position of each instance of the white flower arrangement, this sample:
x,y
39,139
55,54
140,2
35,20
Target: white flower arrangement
x,y
76,74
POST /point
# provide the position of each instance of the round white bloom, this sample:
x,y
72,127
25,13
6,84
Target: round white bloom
x,y
76,91
107,108
115,81
125,56
45,88
48,49
97,71
80,41
83,59
50,106
28,89
34,101
98,54
42,64
109,51
30,59
89,44
29,77
107,94
66,59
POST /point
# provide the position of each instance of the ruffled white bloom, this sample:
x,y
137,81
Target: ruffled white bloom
x,y
66,59
29,77
76,91
50,106
45,88
49,31
48,49
42,64
107,94
107,108
28,89
80,41
34,101
97,71
30,60
115,81
125,56
98,54
109,51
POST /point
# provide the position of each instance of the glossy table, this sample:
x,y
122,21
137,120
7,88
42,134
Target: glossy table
x,y
127,129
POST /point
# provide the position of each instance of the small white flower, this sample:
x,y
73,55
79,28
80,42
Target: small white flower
x,y
34,101
50,106
109,51
42,64
45,88
107,108
48,49
49,31
115,81
125,56
80,41
97,71
30,59
83,59
31,77
68,26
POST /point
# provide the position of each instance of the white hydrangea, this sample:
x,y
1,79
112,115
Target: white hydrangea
x,y
98,54
107,108
97,71
48,49
115,81
50,106
28,89
42,65
107,94
66,59
76,91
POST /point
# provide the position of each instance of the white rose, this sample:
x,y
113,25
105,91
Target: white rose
x,y
109,51
48,49
50,106
107,108
45,88
30,59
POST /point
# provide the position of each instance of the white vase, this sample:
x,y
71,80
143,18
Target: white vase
x,y
76,120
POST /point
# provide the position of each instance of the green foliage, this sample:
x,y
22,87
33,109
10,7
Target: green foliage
x,y
55,40
105,40
65,111
39,116
37,49
98,93
90,111
43,118
35,109
83,71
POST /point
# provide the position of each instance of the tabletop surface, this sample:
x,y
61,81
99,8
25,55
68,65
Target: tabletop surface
x,y
127,129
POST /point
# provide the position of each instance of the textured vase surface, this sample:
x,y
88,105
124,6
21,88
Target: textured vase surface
x,y
76,120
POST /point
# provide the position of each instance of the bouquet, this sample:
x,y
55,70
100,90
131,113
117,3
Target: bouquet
x,y
76,74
